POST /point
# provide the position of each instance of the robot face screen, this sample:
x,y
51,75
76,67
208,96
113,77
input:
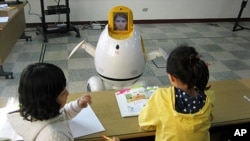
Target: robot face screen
x,y
120,21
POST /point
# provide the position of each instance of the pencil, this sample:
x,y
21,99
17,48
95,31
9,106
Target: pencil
x,y
246,98
107,138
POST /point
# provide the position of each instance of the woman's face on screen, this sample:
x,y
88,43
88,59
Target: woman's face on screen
x,y
120,23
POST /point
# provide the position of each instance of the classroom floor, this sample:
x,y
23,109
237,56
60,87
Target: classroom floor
x,y
228,52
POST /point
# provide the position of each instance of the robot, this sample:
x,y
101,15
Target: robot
x,y
119,56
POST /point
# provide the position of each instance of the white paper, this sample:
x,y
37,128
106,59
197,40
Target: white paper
x,y
6,130
3,5
4,19
85,123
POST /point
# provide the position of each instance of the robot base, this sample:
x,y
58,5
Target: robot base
x,y
95,83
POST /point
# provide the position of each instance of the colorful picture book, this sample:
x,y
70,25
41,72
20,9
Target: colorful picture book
x,y
132,100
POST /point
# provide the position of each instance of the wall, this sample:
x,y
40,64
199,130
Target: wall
x,y
97,10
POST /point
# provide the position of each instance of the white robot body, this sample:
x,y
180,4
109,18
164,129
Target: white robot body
x,y
119,62
119,56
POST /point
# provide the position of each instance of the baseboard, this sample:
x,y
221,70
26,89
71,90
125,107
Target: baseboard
x,y
155,21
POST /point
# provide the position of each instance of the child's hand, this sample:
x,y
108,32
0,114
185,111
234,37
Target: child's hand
x,y
84,100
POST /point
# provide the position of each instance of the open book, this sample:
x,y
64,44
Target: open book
x,y
132,100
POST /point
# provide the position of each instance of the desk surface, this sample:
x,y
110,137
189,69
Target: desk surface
x,y
11,31
12,14
230,108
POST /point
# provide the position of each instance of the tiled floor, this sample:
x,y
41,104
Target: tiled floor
x,y
228,52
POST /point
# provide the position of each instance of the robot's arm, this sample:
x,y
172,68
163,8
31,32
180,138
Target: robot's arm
x,y
156,53
86,46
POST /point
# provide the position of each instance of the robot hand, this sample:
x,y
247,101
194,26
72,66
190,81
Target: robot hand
x,y
86,46
157,53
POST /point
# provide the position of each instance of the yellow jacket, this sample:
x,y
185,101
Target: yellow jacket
x,y
159,114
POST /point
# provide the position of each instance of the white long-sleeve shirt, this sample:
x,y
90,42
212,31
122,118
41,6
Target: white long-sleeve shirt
x,y
55,129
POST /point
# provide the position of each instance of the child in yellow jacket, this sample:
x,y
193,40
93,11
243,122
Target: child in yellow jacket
x,y
182,112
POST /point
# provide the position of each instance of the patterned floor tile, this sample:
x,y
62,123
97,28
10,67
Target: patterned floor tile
x,y
226,51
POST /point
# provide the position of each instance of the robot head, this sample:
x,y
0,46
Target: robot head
x,y
120,22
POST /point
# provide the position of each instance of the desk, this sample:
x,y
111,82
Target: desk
x,y
10,32
230,108
3,101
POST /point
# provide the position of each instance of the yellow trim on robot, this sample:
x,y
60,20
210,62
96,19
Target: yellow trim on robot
x,y
126,13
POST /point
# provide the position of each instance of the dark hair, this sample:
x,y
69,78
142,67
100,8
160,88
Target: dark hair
x,y
185,64
121,14
39,86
